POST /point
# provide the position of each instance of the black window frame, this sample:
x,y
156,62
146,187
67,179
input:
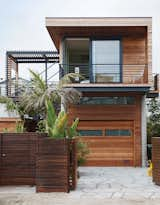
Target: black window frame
x,y
119,132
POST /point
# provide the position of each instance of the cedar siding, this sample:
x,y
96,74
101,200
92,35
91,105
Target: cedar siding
x,y
113,131
105,150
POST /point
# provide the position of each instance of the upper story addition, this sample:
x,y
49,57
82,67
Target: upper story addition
x,y
108,51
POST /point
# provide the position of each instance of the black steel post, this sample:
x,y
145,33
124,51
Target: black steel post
x,y
7,74
46,74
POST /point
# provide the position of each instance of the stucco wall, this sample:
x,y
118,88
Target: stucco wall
x,y
144,131
7,119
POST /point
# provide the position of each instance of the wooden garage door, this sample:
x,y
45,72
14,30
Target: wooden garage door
x,y
111,143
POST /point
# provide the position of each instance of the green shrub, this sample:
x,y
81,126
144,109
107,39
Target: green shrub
x,y
83,151
5,130
41,126
153,121
19,127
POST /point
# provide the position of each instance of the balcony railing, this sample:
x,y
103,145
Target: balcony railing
x,y
16,89
108,73
135,76
82,69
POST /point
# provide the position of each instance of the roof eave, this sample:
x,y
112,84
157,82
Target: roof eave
x,y
97,21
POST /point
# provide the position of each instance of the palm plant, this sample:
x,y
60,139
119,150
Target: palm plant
x,y
33,99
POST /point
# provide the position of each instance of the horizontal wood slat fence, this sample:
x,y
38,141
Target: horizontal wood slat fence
x,y
34,159
52,167
156,159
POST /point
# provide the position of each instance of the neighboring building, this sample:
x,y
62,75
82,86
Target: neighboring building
x,y
15,88
8,119
115,57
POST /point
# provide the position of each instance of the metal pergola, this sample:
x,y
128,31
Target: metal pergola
x,y
13,58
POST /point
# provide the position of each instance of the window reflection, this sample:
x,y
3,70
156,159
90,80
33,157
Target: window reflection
x,y
119,100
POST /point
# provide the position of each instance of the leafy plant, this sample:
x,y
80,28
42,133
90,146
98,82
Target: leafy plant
x,y
32,101
5,130
56,126
10,104
72,130
41,126
34,98
3,99
69,78
83,151
153,121
19,127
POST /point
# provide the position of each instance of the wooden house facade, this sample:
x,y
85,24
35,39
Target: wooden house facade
x,y
114,56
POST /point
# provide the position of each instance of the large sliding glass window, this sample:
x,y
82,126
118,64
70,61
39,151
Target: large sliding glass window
x,y
106,61
76,56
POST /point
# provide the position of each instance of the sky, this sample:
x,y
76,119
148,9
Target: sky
x,y
22,22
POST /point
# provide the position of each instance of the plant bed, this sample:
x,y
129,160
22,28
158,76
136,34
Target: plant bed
x,y
52,165
156,159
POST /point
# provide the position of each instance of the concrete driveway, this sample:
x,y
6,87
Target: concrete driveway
x,y
96,186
